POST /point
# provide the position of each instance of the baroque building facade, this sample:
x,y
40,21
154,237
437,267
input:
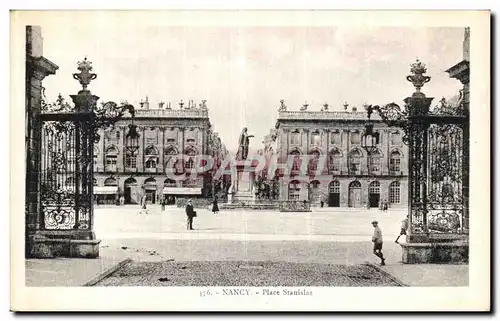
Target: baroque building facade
x,y
167,148
325,160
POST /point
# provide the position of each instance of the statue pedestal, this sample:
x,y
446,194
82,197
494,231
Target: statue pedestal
x,y
243,181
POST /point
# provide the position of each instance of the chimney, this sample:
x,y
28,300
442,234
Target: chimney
x,y
146,103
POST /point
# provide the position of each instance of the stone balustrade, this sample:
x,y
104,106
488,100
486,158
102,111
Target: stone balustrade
x,y
321,115
170,113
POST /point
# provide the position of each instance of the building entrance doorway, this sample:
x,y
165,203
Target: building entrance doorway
x,y
374,194
355,194
334,194
129,184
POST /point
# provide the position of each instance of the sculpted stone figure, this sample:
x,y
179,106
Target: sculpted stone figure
x,y
243,142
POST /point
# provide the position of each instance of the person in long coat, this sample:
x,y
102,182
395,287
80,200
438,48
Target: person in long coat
x,y
190,213
215,206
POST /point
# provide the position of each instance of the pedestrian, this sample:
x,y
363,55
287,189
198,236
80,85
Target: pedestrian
x,y
143,205
377,242
215,206
122,200
322,203
190,213
404,228
368,205
163,202
386,205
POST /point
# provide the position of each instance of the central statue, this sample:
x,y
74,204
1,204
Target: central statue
x,y
244,141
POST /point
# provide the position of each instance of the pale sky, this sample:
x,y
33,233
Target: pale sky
x,y
244,72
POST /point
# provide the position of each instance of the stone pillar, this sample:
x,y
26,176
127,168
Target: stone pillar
x,y
37,68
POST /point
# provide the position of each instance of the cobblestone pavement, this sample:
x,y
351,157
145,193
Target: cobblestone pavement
x,y
242,273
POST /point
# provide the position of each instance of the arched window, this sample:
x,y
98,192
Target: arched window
x,y
313,161
151,156
111,157
395,163
374,187
189,158
170,183
110,182
334,187
374,162
170,157
294,191
296,160
335,160
394,193
151,163
313,191
355,162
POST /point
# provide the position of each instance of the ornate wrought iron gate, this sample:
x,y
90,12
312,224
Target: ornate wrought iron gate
x,y
66,176
439,164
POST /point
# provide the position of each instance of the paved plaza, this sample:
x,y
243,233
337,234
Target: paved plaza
x,y
336,239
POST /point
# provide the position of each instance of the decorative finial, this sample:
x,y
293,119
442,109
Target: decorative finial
x,y
345,105
160,104
203,104
418,69
325,107
85,76
304,107
181,104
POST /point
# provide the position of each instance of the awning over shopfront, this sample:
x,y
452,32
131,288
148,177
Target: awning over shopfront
x,y
105,189
182,190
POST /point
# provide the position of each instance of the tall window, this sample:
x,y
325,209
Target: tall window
x,y
374,160
189,159
313,161
295,138
151,156
334,161
294,191
355,162
394,193
395,163
355,138
170,158
96,157
315,138
395,138
131,160
296,160
111,158
335,138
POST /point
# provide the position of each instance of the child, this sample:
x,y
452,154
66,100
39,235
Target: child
x,y
377,242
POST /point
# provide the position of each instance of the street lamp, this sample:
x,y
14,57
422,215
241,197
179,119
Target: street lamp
x,y
370,139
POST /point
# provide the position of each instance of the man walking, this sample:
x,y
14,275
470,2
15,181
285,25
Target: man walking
x,y
404,228
377,242
190,213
